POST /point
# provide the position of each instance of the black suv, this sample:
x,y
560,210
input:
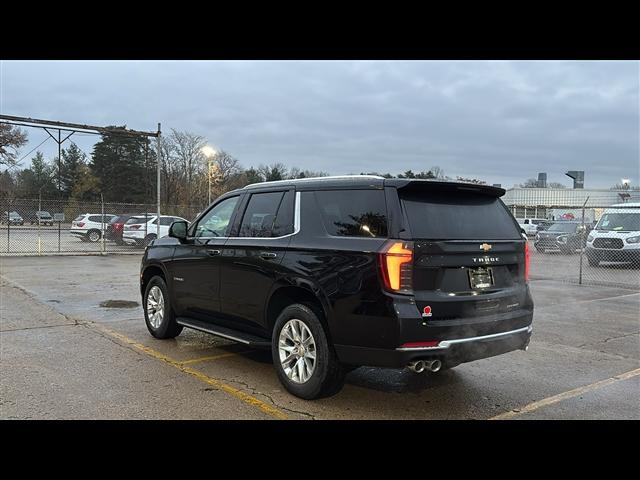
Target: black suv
x,y
338,272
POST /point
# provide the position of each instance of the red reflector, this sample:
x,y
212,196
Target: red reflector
x,y
420,344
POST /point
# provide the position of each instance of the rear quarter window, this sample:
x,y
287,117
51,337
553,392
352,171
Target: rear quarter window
x,y
353,213
458,216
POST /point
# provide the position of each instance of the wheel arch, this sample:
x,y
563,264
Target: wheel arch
x,y
302,292
149,272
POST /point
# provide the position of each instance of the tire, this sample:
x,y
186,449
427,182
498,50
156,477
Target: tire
x,y
93,236
327,374
165,326
119,241
148,239
594,262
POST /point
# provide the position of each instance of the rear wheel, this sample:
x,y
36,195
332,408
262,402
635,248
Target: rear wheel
x,y
304,359
93,235
158,314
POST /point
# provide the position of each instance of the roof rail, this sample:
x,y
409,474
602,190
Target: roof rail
x,y
315,179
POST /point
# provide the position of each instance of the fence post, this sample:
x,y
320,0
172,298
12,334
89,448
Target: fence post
x,y
584,229
102,224
8,226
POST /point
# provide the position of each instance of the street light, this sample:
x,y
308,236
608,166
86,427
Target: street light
x,y
209,152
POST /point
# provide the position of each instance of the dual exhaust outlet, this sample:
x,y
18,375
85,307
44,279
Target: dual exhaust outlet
x,y
419,366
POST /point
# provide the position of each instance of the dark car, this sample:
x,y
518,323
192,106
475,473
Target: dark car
x,y
340,272
12,218
41,218
116,226
566,237
542,226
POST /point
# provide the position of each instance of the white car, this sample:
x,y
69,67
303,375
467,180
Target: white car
x,y
88,226
530,225
141,230
616,237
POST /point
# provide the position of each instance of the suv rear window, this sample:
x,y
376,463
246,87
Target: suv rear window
x,y
353,213
458,216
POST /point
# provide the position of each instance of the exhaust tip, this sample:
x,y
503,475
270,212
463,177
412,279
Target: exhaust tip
x,y
417,366
435,365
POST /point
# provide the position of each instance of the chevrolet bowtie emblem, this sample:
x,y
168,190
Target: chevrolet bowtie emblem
x,y
485,247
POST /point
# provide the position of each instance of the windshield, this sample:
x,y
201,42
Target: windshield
x,y
563,227
619,222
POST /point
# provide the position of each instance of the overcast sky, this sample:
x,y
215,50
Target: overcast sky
x,y
502,122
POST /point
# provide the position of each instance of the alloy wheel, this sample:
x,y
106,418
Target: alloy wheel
x,y
297,351
155,306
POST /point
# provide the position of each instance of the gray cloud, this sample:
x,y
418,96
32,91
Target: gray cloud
x,y
499,121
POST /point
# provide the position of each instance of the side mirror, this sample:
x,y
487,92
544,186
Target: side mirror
x,y
178,230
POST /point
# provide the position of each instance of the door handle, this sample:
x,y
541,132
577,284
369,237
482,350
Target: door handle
x,y
213,253
268,255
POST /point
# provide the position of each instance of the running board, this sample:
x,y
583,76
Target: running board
x,y
228,333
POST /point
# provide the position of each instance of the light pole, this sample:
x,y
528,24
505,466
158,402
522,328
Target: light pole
x,y
209,152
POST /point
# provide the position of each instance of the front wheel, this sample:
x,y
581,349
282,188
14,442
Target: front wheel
x,y
158,314
304,359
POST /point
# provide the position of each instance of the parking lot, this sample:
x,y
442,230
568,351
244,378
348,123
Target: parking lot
x,y
63,355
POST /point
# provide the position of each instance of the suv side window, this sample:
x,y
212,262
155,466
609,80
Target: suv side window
x,y
284,224
95,218
353,213
260,215
216,222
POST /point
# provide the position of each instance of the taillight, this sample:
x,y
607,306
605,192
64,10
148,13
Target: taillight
x,y
118,226
396,264
81,224
526,261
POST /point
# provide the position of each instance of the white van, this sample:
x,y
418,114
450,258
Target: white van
x,y
616,237
530,225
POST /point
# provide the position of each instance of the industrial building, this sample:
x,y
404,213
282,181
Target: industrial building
x,y
538,202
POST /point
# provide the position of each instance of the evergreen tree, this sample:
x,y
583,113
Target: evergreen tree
x,y
123,169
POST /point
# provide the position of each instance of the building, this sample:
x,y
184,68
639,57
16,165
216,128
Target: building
x,y
536,202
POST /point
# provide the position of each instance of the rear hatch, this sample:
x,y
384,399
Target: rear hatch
x,y
468,256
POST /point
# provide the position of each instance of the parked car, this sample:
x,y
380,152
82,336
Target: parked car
x,y
566,237
41,218
616,236
141,230
340,272
116,227
542,226
530,225
88,226
12,218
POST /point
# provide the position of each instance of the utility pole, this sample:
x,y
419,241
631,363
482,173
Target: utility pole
x,y
159,160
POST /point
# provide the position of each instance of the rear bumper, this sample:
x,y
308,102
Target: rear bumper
x,y
78,232
459,350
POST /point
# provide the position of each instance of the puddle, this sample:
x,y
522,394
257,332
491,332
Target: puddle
x,y
119,304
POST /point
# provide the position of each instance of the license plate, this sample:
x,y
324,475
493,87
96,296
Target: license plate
x,y
481,277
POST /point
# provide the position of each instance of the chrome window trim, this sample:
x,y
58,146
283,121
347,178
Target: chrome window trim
x,y
444,344
296,227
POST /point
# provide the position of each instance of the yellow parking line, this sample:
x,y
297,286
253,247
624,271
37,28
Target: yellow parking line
x,y
213,357
245,397
566,395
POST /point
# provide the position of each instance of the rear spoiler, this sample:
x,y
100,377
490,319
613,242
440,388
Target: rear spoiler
x,y
412,185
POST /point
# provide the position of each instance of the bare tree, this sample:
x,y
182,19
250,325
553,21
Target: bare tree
x,y
187,152
11,139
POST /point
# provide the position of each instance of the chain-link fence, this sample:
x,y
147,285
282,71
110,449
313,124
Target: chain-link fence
x,y
594,245
591,246
47,227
